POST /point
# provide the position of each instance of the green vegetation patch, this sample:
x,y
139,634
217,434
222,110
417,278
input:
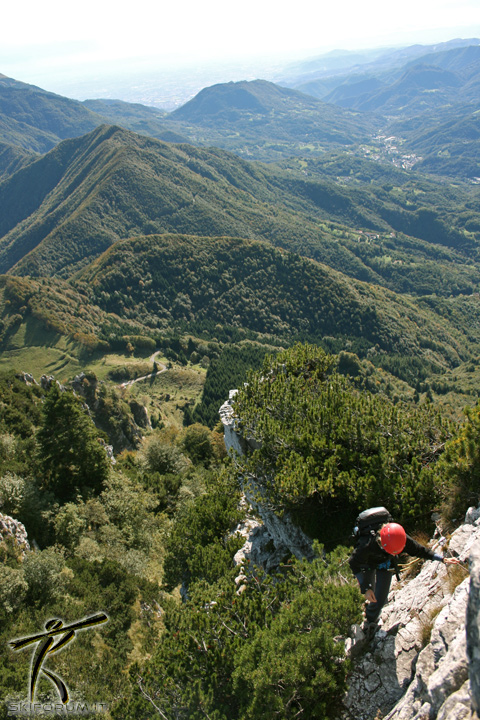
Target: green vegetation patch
x,y
327,448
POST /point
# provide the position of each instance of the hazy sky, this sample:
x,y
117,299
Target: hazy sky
x,y
45,42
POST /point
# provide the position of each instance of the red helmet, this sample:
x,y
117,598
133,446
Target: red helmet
x,y
393,538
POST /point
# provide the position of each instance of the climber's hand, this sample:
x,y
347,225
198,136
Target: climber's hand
x,y
370,596
451,561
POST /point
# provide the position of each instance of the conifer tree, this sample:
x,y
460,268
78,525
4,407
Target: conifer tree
x,y
72,459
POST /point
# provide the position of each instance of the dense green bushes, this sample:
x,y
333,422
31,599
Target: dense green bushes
x,y
20,405
226,373
325,442
460,466
268,651
199,546
102,538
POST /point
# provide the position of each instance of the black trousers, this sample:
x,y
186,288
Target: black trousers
x,y
380,581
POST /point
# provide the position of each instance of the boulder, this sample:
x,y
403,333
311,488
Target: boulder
x,y
140,414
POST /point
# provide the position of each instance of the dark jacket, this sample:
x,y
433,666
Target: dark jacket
x,y
368,555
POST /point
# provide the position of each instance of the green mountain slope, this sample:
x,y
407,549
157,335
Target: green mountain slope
x,y
36,119
420,88
231,288
463,60
66,208
262,120
13,158
446,143
200,283
139,118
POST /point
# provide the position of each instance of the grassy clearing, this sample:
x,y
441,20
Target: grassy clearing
x,y
39,361
32,349
102,364
166,395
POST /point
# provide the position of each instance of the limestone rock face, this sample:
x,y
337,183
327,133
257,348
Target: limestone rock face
x,y
140,414
417,667
281,533
473,627
27,378
12,530
46,382
473,514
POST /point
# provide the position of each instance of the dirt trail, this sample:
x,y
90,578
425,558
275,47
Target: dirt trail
x,y
150,375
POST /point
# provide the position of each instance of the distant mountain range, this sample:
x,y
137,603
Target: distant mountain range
x,y
435,81
358,76
361,230
71,204
406,93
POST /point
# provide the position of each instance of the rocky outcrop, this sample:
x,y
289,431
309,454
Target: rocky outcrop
x,y
123,423
473,626
279,533
27,378
417,666
13,531
46,382
424,660
140,414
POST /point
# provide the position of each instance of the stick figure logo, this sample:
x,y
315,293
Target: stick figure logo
x,y
48,645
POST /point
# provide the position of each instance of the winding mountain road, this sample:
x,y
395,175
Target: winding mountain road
x,y
150,375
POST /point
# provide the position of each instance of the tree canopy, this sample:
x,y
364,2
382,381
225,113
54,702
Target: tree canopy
x,y
324,442
72,458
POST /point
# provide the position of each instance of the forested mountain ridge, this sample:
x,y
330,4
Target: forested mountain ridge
x,y
434,85
63,210
147,288
199,284
12,158
265,114
37,120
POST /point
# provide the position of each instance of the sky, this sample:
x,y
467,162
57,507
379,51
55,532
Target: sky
x,y
56,44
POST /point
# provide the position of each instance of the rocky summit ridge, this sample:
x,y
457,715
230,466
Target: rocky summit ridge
x,y
424,661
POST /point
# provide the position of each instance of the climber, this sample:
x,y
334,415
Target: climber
x,y
374,558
